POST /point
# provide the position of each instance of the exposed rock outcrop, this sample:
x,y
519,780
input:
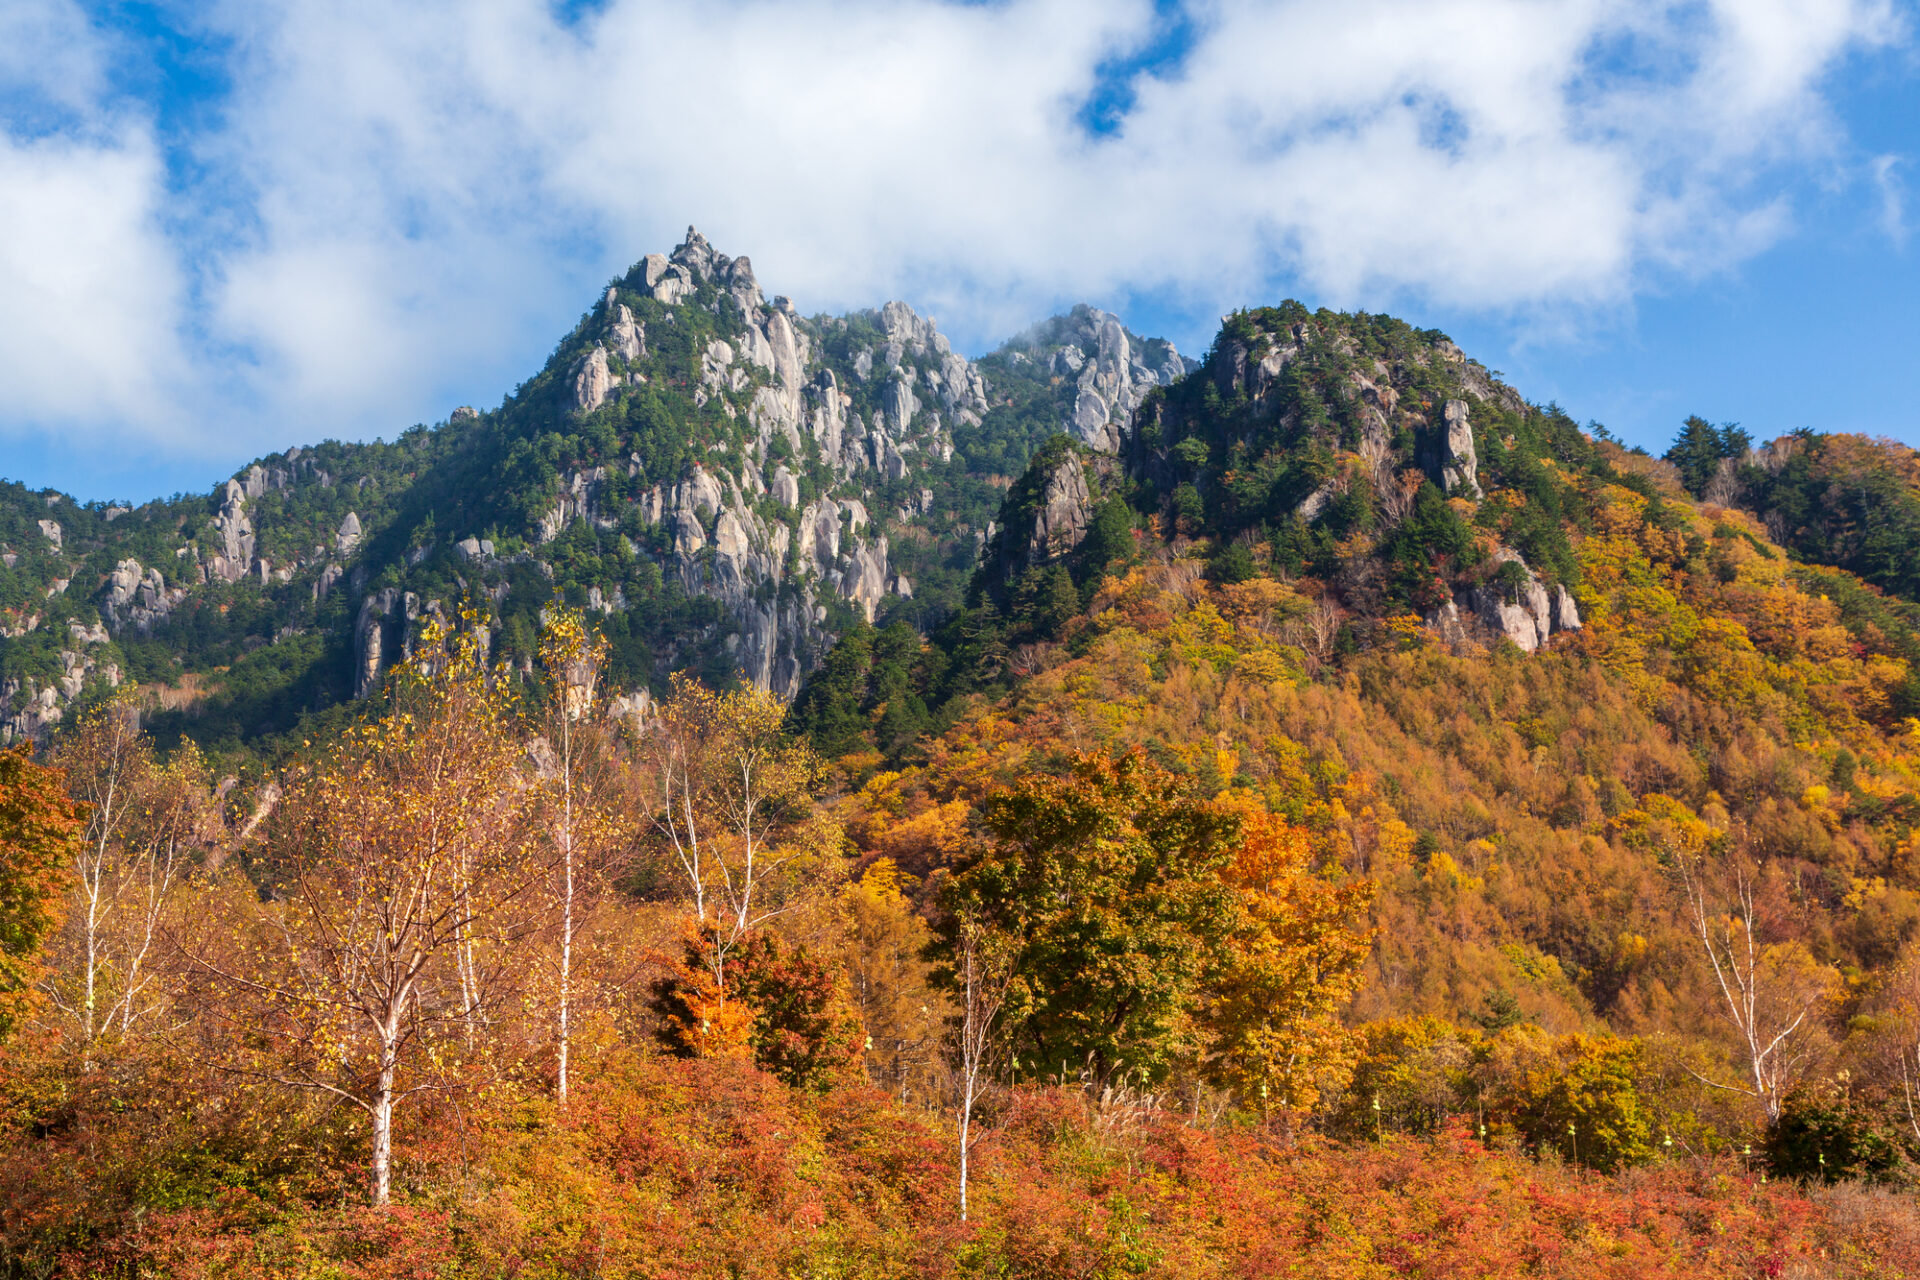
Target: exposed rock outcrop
x,y
31,710
663,281
724,543
1566,614
785,488
34,719
1457,461
234,531
1046,514
137,597
593,381
1060,521
625,336
382,635
1523,611
1111,370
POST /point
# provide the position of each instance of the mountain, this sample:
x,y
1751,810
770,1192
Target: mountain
x,y
1312,766
1513,674
726,483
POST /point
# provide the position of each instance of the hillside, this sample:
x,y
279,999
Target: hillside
x,y
1515,676
723,482
837,808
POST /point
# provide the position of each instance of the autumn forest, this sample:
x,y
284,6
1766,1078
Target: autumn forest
x,y
1216,889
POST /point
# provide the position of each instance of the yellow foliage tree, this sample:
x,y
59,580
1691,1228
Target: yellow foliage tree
x,y
730,798
400,861
1293,962
571,655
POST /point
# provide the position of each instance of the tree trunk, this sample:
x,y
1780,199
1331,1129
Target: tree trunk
x,y
93,878
566,911
966,1126
566,977
93,968
382,1111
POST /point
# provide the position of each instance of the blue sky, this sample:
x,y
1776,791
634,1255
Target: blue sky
x,y
227,228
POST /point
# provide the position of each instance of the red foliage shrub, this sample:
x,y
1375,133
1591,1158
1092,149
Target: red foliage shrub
x,y
662,1168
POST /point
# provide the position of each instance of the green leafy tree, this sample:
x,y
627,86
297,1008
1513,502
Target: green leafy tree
x,y
1109,543
1576,1094
1107,882
1700,447
1825,1133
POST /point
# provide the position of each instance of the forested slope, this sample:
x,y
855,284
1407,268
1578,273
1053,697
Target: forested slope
x,y
724,482
1560,711
1318,814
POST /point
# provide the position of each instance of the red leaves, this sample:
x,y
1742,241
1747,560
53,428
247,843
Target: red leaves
x,y
661,1167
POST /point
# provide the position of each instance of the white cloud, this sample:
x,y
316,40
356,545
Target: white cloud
x,y
50,65
426,193
1893,199
86,294
89,294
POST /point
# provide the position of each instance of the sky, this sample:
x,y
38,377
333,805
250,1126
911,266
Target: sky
x,y
232,226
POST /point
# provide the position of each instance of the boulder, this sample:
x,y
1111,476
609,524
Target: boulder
x,y
592,381
785,488
1459,464
626,336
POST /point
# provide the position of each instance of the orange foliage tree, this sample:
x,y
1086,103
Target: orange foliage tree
x,y
41,830
399,862
729,797
1292,962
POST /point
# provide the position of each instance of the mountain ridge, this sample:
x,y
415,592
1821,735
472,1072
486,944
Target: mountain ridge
x,y
722,479
730,487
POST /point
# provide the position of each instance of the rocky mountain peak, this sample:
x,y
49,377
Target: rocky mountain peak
x,y
1109,368
726,480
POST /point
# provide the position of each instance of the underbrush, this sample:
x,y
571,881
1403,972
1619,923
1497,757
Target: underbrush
x,y
668,1168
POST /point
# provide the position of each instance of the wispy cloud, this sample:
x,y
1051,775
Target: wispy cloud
x,y
1893,198
393,204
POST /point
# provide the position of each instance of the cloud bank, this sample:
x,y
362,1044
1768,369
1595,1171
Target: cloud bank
x,y
383,206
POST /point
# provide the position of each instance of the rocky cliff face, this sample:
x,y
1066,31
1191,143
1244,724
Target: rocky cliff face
x,y
727,483
724,479
791,511
1357,446
1100,370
